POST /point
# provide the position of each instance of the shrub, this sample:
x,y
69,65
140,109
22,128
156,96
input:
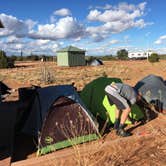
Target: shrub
x,y
6,62
122,54
153,58
3,60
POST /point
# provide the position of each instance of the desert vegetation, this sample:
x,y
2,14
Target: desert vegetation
x,y
46,73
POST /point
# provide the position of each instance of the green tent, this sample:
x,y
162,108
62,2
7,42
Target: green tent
x,y
94,97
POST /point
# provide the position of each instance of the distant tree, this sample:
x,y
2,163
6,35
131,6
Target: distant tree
x,y
162,56
3,60
33,57
108,57
13,57
10,62
154,57
122,54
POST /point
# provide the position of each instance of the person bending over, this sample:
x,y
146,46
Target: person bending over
x,y
123,96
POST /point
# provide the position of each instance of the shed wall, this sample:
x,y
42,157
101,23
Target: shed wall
x,y
62,59
77,59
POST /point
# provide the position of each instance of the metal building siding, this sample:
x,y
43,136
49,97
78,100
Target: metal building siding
x,y
76,59
62,59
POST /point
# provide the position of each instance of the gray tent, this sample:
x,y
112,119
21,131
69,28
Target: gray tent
x,y
94,62
60,117
4,89
153,89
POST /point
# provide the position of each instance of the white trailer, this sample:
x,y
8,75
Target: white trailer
x,y
139,55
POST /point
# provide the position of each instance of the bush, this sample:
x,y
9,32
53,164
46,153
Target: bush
x,y
153,58
122,54
3,60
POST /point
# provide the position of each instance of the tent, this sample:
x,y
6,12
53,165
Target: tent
x,y
61,118
94,62
153,89
4,90
94,97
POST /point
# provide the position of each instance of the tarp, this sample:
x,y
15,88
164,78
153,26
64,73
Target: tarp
x,y
153,89
94,97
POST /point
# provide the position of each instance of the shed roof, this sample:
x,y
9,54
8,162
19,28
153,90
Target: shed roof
x,y
1,25
71,49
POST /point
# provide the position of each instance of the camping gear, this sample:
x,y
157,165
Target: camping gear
x,y
94,97
153,90
8,113
59,119
94,62
4,90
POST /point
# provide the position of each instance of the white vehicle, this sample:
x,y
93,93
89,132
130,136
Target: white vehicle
x,y
139,55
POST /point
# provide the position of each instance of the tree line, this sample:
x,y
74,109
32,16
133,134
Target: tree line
x,y
8,61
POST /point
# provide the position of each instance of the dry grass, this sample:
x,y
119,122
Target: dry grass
x,y
44,73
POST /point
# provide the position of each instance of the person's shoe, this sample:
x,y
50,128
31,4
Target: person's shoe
x,y
116,124
123,133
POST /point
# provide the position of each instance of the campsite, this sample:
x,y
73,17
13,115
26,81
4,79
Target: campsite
x,y
38,84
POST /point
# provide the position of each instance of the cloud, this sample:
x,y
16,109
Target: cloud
x,y
65,28
114,41
14,26
62,12
123,12
161,40
13,40
116,19
14,45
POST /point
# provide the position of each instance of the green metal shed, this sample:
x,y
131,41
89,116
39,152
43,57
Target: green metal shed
x,y
71,56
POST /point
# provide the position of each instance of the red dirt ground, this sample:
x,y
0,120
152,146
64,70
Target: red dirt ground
x,y
147,145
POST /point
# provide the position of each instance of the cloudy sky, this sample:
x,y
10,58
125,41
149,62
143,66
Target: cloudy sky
x,y
98,26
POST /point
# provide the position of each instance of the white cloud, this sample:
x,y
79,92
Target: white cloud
x,y
116,19
62,12
142,5
13,26
123,12
30,23
13,39
66,27
114,41
161,40
93,15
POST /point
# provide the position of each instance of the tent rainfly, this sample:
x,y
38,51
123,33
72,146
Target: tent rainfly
x,y
71,56
61,118
153,90
95,99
